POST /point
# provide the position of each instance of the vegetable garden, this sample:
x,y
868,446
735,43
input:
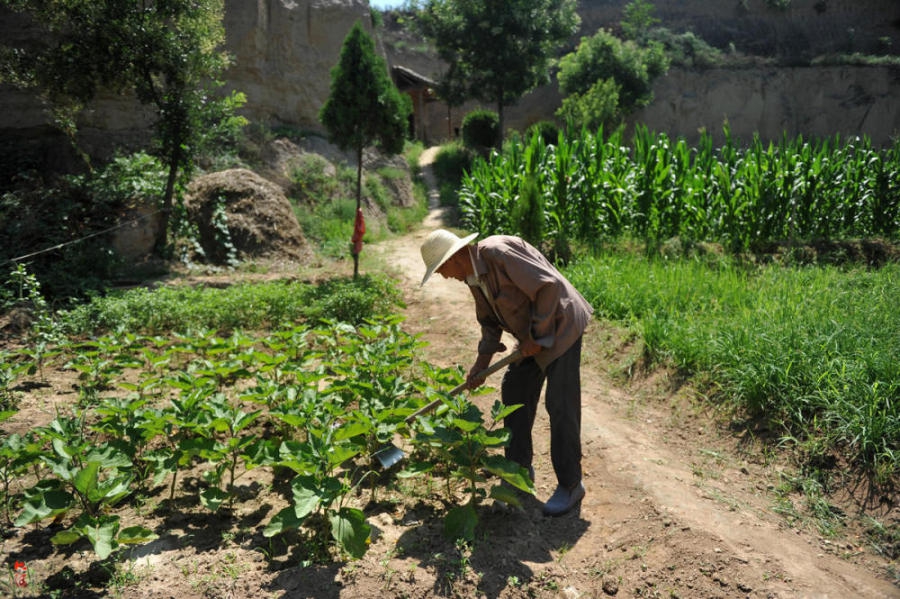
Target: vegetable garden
x,y
193,412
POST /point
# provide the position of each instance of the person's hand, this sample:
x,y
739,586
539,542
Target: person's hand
x,y
529,347
473,380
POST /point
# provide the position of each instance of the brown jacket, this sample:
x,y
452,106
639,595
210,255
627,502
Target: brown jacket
x,y
531,299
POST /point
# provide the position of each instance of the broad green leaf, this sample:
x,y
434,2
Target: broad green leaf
x,y
509,471
460,523
66,537
340,453
307,495
284,520
351,429
488,438
212,498
110,491
136,535
108,457
466,426
506,494
447,436
261,452
42,502
101,532
294,420
350,529
499,411
85,479
415,469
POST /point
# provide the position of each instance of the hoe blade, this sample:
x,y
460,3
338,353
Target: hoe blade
x,y
389,455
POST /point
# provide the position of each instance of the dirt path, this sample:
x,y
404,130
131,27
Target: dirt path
x,y
672,509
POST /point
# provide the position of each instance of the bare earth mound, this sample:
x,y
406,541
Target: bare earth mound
x,y
260,220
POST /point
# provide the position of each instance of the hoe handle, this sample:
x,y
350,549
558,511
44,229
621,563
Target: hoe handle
x,y
516,355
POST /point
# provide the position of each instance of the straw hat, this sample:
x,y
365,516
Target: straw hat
x,y
438,247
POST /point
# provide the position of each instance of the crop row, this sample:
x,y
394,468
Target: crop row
x,y
311,403
590,189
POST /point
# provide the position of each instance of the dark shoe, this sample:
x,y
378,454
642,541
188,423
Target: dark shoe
x,y
563,500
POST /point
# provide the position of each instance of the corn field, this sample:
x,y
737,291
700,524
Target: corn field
x,y
596,190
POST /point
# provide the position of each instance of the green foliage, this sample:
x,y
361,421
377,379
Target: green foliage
x,y
496,51
806,350
451,163
238,306
364,106
528,212
481,129
169,54
548,130
637,20
595,109
599,190
135,179
688,50
604,57
457,441
61,230
315,401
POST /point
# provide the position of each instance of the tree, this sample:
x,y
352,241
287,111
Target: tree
x,y
168,53
606,78
364,108
637,20
499,49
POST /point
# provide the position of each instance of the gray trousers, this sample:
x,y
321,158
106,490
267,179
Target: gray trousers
x,y
522,384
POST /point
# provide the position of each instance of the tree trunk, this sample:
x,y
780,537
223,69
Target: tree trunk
x,y
499,141
359,155
162,237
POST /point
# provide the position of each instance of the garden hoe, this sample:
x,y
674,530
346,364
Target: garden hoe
x,y
391,454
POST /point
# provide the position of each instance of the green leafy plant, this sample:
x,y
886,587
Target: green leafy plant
x,y
320,486
460,443
600,189
481,130
89,479
229,442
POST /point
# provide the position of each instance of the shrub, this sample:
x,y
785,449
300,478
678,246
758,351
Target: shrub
x,y
452,161
548,130
481,129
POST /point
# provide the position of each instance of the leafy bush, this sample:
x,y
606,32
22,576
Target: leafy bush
x,y
61,229
242,306
604,57
451,163
481,129
548,130
688,50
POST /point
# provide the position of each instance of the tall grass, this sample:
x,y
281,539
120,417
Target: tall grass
x,y
810,351
600,190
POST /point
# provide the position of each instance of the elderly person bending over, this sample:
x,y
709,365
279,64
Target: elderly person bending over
x,y
518,291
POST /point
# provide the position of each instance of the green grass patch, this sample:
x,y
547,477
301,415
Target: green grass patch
x,y
240,306
810,351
